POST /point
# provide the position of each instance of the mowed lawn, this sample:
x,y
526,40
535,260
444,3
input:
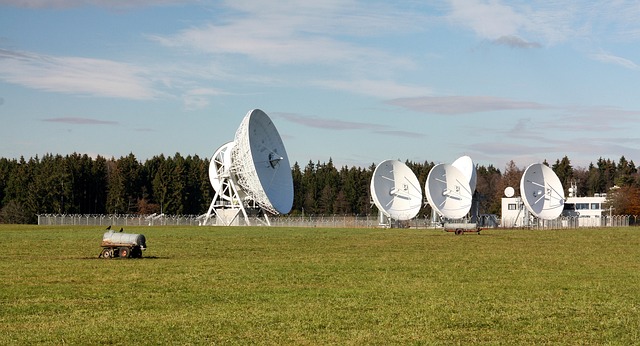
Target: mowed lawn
x,y
314,286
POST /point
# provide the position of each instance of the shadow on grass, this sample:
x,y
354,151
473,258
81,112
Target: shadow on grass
x,y
126,259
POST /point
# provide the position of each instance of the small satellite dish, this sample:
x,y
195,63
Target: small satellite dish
x,y
260,163
395,190
542,192
448,191
465,165
509,191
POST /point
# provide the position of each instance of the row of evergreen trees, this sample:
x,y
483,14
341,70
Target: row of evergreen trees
x,y
79,184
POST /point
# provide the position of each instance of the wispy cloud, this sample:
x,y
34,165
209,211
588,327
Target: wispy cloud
x,y
608,113
489,20
401,134
515,42
552,148
566,121
615,60
377,88
336,124
330,124
75,75
80,121
199,98
545,21
463,104
35,4
300,33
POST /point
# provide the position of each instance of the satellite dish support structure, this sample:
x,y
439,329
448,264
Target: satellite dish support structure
x,y
251,174
227,201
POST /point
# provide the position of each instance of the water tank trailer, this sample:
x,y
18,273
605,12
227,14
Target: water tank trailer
x,y
124,245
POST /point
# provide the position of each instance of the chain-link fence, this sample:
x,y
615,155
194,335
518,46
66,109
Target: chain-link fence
x,y
119,220
572,222
328,221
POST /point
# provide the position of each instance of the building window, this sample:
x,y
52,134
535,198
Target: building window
x,y
582,206
595,205
512,206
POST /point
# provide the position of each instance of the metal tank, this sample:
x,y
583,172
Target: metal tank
x,y
118,244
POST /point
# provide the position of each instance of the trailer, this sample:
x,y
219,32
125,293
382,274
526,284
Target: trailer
x,y
462,228
122,245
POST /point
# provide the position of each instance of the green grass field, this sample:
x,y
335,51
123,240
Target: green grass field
x,y
310,286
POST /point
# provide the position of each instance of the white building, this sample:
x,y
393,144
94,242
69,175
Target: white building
x,y
586,210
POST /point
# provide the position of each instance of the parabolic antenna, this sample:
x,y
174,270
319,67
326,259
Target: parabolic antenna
x,y
260,163
448,191
509,192
542,192
395,190
219,168
465,165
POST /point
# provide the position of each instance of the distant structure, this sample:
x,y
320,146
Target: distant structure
x,y
588,211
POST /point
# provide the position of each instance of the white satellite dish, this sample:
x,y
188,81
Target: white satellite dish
x,y
509,191
261,165
465,165
253,169
448,191
542,192
395,190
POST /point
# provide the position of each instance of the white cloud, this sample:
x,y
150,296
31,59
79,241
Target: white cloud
x,y
378,88
199,98
80,121
515,42
616,60
298,33
539,21
34,4
489,19
331,124
75,75
463,104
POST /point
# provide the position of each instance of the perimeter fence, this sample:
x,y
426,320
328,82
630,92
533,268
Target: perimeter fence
x,y
121,220
573,222
327,221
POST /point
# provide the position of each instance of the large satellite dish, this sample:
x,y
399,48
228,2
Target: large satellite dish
x,y
542,192
465,165
260,163
395,190
252,170
448,191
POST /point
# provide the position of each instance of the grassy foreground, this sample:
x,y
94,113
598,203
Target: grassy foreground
x,y
309,286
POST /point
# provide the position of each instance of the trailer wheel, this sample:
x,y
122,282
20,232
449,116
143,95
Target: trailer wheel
x,y
136,252
459,231
106,253
124,252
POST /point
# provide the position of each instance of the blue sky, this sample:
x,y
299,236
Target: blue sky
x,y
355,81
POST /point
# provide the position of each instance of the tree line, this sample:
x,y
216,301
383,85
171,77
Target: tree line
x,y
178,185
